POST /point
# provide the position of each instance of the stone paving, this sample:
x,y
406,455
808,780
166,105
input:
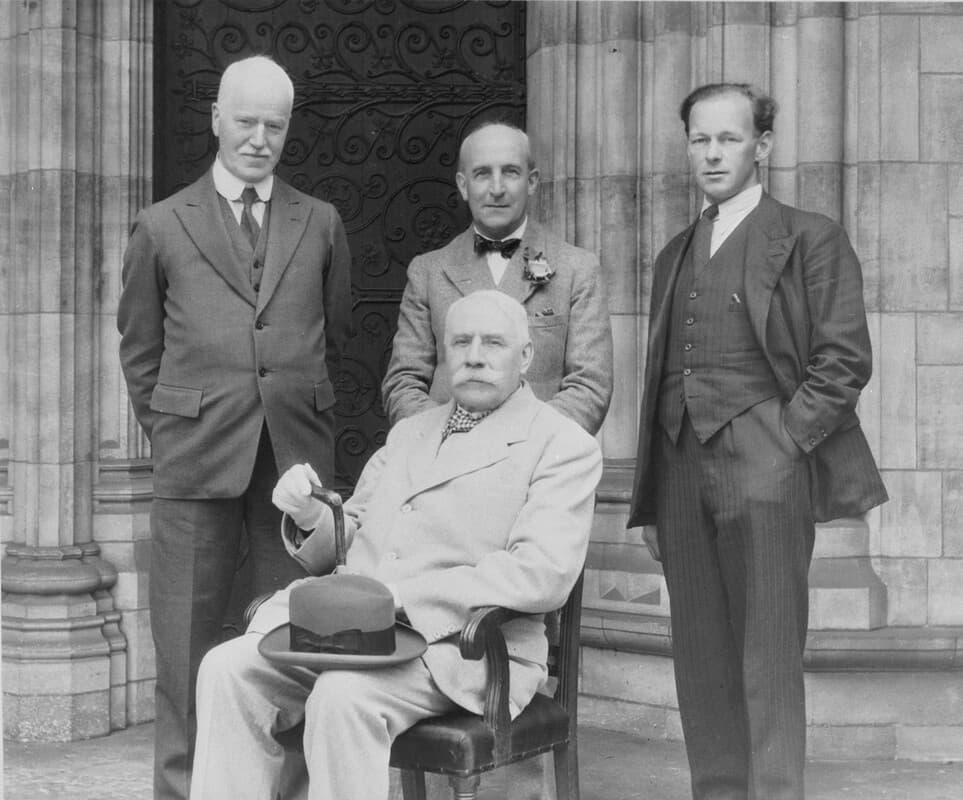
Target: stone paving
x,y
614,766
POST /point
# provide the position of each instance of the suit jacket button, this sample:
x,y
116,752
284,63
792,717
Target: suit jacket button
x,y
257,287
259,325
262,372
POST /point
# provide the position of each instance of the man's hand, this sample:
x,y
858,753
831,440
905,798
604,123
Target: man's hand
x,y
651,538
293,496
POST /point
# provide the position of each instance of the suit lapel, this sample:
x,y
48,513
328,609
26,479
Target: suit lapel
x,y
468,273
513,282
768,247
464,453
200,214
286,226
660,320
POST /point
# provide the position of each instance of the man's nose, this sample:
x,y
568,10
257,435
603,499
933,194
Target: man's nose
x,y
497,186
257,136
474,354
713,151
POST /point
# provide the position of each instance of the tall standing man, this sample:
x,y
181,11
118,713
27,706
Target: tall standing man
x,y
235,307
758,350
559,285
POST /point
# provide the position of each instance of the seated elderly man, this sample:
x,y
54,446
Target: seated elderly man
x,y
486,500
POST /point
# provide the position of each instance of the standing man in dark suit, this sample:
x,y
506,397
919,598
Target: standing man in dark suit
x,y
235,307
758,350
559,285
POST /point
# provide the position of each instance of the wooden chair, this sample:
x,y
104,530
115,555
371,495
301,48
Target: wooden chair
x,y
463,745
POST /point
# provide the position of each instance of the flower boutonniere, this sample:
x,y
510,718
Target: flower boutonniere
x,y
537,268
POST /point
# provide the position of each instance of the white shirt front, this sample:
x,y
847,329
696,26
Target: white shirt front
x,y
731,213
230,187
496,261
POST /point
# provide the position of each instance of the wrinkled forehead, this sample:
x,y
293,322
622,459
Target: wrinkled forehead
x,y
495,145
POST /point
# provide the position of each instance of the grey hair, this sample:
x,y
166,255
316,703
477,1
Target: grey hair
x,y
262,66
508,305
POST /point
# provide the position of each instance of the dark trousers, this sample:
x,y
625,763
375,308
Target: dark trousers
x,y
195,550
736,535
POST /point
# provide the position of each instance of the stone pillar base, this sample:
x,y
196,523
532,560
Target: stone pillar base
x,y
64,657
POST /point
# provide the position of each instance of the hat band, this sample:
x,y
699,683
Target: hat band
x,y
349,642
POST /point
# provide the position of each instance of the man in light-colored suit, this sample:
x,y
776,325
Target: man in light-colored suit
x,y
758,350
559,285
235,307
485,500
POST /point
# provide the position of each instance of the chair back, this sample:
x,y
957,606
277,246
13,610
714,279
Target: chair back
x,y
563,629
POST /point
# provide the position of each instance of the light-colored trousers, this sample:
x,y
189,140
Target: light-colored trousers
x,y
351,719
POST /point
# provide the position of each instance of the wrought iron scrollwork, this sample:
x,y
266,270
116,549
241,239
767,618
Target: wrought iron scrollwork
x,y
384,90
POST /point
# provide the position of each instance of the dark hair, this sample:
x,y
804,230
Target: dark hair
x,y
763,107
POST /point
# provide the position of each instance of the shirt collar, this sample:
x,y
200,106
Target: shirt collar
x,y
741,203
518,233
230,186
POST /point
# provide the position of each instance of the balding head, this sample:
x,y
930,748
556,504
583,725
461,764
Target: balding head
x,y
487,348
250,118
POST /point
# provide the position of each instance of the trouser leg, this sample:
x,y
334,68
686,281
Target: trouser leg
x,y
193,553
351,720
708,669
766,533
243,700
272,567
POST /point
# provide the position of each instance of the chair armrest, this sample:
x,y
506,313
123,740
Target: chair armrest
x,y
482,636
252,608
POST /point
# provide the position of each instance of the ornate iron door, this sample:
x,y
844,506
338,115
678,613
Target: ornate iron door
x,y
384,90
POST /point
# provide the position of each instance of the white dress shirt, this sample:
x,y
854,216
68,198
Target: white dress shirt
x,y
731,213
496,261
230,187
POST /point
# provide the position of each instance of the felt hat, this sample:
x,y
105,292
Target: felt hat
x,y
342,621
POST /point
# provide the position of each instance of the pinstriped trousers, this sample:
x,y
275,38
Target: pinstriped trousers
x,y
736,534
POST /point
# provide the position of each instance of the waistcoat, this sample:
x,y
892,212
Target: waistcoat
x,y
714,368
252,260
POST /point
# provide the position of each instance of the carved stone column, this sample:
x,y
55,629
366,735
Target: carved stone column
x,y
64,119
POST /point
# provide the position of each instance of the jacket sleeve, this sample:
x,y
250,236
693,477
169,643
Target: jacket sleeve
x,y
544,551
839,362
407,381
586,387
338,305
140,319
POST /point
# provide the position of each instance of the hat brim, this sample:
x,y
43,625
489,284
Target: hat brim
x,y
276,646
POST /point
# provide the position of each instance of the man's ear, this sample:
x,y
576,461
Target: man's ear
x,y
763,146
528,352
462,183
215,119
532,181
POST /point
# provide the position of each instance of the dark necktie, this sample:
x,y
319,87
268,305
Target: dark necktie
x,y
506,247
248,223
462,421
702,238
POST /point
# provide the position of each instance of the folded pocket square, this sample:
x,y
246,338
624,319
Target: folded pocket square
x,y
545,312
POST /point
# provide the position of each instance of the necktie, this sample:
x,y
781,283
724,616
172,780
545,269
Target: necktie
x,y
248,223
462,421
702,238
506,247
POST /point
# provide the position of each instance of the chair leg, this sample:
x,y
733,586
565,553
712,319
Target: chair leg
x,y
566,773
413,784
464,788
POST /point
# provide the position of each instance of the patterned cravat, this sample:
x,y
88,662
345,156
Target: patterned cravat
x,y
702,238
462,420
506,247
248,223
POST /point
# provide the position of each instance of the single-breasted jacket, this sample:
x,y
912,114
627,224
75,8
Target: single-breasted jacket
x,y
208,358
568,319
500,515
804,299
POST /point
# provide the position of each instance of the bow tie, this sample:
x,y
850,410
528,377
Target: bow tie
x,y
462,420
506,247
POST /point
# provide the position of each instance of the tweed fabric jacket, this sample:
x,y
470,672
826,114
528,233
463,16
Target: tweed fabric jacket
x,y
568,320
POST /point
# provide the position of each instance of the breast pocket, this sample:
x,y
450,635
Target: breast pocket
x,y
180,401
549,335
